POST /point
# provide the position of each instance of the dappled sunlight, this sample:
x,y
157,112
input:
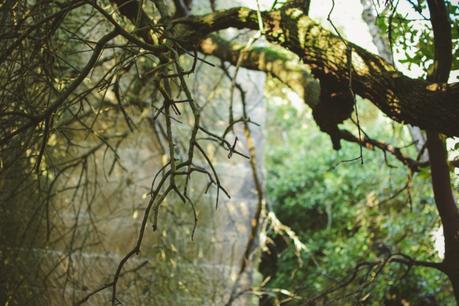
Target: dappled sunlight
x,y
231,153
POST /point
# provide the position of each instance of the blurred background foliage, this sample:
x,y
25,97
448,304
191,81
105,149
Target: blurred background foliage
x,y
343,211
346,212
410,34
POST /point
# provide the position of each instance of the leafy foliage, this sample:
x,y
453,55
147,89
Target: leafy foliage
x,y
409,31
347,213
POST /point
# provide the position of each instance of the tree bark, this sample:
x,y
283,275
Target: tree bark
x,y
381,41
441,181
432,105
455,281
429,105
277,62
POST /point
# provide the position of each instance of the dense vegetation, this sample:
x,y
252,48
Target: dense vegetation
x,y
81,80
347,213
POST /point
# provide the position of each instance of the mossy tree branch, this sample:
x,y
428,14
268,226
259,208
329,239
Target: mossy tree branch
x,y
429,105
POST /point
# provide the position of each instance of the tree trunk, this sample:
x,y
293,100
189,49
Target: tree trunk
x,y
454,278
441,181
446,206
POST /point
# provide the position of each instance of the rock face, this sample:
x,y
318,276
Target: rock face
x,y
90,231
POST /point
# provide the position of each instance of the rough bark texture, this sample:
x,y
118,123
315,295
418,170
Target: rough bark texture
x,y
297,76
431,105
381,41
428,105
441,182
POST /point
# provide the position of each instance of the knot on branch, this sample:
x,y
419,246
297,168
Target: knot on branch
x,y
336,104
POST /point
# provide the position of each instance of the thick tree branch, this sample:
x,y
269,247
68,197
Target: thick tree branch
x,y
280,64
277,62
442,41
441,181
426,104
382,43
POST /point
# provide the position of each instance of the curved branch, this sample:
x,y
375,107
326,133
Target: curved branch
x,y
428,105
277,62
406,260
370,143
441,182
286,68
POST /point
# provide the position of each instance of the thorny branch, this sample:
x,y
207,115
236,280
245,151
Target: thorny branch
x,y
59,89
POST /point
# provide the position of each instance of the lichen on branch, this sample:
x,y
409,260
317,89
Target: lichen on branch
x,y
425,104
